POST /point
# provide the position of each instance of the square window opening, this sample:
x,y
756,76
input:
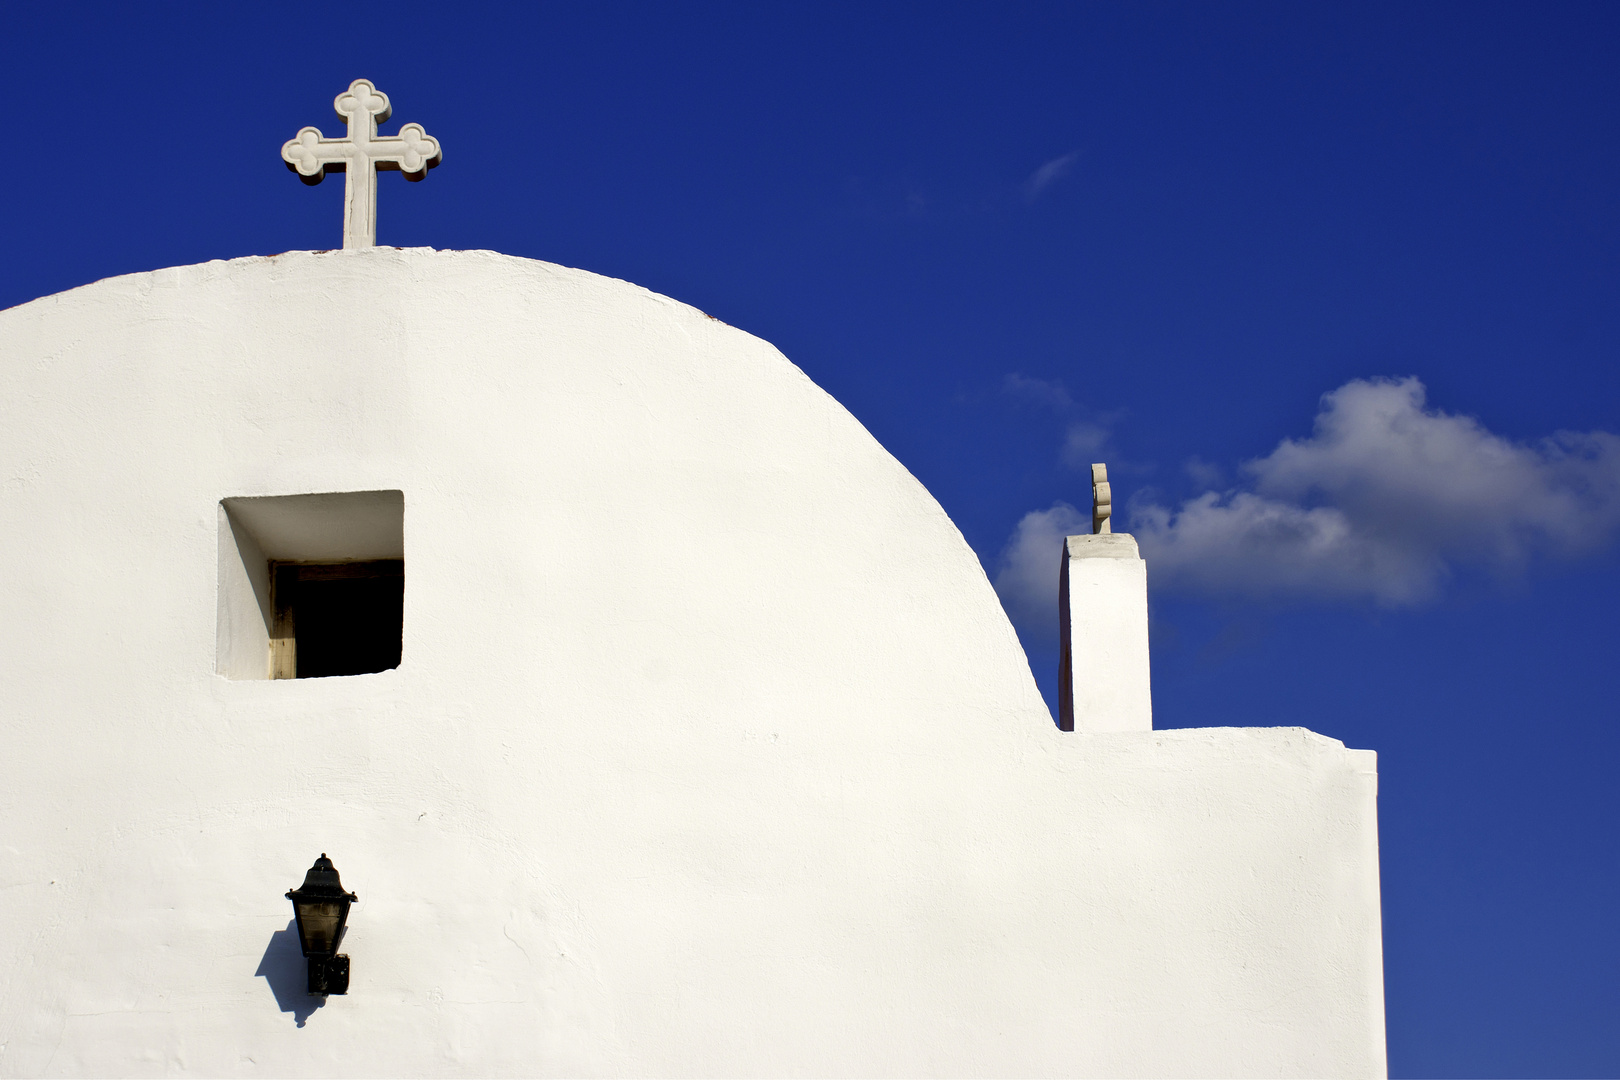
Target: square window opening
x,y
311,586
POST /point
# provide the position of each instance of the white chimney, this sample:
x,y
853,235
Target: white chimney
x,y
1103,681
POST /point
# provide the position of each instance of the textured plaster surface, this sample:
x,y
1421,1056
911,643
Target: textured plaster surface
x,y
711,751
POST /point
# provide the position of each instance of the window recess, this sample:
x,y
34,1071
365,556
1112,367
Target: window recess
x,y
311,586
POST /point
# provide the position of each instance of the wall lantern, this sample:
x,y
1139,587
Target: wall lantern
x,y
322,909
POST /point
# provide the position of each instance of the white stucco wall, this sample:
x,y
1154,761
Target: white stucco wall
x,y
711,750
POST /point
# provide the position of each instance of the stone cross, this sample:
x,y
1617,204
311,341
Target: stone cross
x,y
312,155
1102,500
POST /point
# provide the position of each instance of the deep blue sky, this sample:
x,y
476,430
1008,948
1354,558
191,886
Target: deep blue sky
x,y
1246,207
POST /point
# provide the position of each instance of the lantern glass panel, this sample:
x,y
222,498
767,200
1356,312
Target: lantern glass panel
x,y
318,923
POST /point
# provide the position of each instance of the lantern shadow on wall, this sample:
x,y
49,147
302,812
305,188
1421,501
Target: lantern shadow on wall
x,y
283,966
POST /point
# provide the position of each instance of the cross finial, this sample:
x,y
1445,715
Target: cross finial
x,y
312,155
1102,500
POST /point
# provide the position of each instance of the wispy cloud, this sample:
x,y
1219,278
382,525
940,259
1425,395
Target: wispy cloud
x,y
1042,392
1383,502
1086,435
1084,442
1205,473
1048,174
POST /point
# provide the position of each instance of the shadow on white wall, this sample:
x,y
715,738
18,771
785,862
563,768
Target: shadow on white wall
x,y
284,968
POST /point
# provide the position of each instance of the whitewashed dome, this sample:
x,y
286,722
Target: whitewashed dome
x,y
671,615
710,749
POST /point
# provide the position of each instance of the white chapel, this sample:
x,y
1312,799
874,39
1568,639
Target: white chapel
x,y
654,718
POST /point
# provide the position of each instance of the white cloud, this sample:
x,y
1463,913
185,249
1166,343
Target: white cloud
x,y
1048,174
1382,501
1244,543
1027,574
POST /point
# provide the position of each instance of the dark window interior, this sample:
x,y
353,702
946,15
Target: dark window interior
x,y
341,618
